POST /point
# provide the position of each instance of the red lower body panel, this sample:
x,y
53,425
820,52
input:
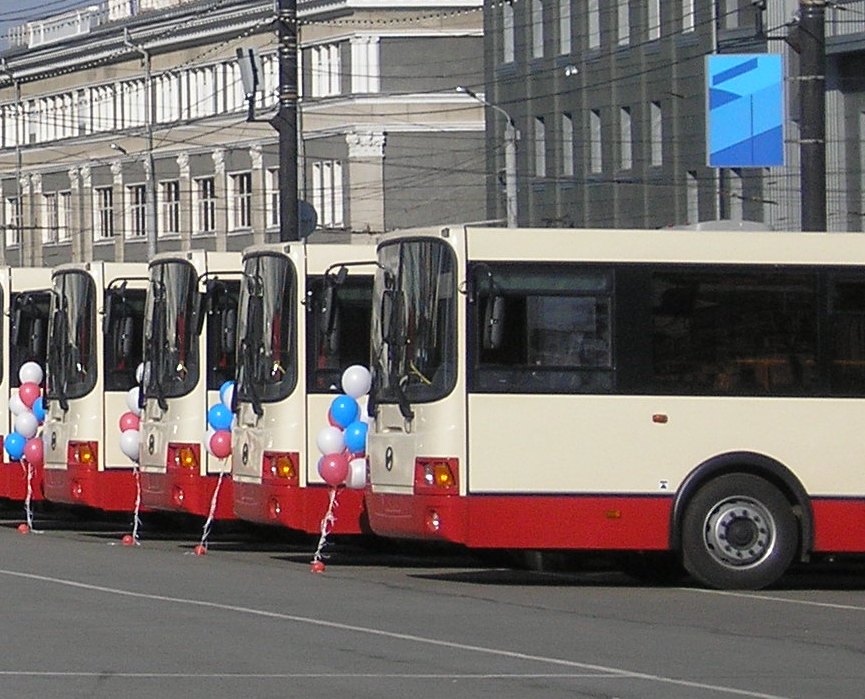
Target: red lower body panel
x,y
498,521
187,492
13,481
112,490
839,525
299,508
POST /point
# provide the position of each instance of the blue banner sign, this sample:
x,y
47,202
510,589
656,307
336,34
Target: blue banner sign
x,y
745,110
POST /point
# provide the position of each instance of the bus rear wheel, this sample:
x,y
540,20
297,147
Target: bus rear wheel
x,y
738,533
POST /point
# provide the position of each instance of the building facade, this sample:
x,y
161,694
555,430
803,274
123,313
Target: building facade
x,y
610,102
124,126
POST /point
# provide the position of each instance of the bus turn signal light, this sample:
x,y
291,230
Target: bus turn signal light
x,y
280,467
435,476
81,454
183,456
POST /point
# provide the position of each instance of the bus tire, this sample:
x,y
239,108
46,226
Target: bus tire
x,y
738,533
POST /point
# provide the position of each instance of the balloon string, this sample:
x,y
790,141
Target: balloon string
x,y
27,467
327,523
209,521
136,520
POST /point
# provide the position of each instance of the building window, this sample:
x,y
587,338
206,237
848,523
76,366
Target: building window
x,y
507,32
688,11
736,198
64,216
13,220
325,70
136,212
596,150
537,29
623,22
169,205
366,71
564,26
730,19
594,14
567,145
626,145
240,198
49,230
202,94
327,192
657,133
540,147
205,205
693,195
272,198
103,220
653,20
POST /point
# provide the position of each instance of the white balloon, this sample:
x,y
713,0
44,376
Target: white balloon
x,y
31,372
139,372
356,478
330,440
26,424
228,396
356,381
132,400
129,443
16,405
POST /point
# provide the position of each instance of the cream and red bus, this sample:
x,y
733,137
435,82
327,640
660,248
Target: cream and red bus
x,y
688,392
297,334
189,354
94,350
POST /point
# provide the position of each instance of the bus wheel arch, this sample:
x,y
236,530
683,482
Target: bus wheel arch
x,y
732,494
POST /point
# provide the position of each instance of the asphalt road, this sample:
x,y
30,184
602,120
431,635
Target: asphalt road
x,y
85,616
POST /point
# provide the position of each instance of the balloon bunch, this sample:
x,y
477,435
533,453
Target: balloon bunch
x,y
343,442
343,447
28,407
217,441
130,421
130,439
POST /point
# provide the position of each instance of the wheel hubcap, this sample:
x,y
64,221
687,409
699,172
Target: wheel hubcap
x,y
739,532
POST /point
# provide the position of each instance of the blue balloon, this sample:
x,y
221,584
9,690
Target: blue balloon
x,y
343,410
222,389
14,445
219,417
39,409
355,437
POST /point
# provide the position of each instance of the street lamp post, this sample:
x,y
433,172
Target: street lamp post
x,y
511,136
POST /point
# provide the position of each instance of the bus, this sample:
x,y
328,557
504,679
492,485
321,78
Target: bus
x,y
296,336
190,323
693,393
95,338
26,301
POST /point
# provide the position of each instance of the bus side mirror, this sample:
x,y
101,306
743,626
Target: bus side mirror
x,y
108,314
201,312
229,330
15,330
386,312
494,316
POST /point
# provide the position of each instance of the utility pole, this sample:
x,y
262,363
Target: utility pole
x,y
511,137
149,165
812,112
285,121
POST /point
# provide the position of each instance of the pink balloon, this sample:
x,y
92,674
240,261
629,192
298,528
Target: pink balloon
x,y
129,421
220,444
34,451
333,468
29,392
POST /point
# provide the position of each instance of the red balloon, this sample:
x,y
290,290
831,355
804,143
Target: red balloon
x,y
129,421
29,392
34,451
220,444
333,468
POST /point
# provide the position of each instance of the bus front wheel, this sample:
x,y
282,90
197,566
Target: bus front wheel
x,y
738,532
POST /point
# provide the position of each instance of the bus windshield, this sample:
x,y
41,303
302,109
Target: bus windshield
x,y
414,323
266,366
170,331
72,337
